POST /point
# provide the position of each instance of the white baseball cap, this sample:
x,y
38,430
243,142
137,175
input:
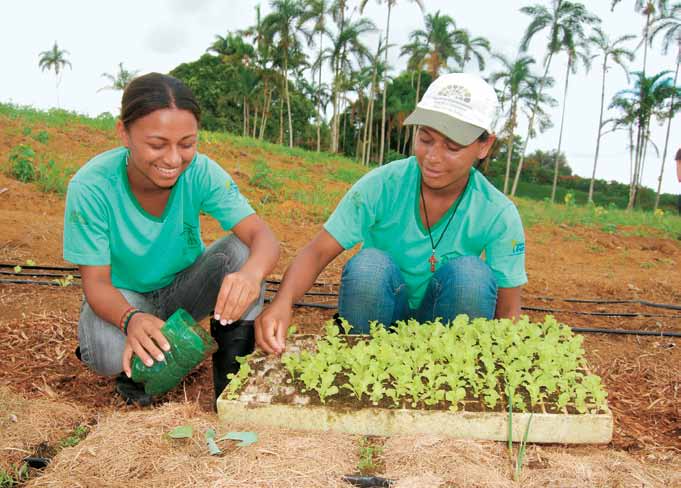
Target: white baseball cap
x,y
459,105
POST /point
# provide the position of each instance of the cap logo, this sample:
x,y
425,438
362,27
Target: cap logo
x,y
457,92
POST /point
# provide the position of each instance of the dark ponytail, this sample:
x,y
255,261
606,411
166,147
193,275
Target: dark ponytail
x,y
155,91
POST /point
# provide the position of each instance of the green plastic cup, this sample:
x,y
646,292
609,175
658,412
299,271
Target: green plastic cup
x,y
189,345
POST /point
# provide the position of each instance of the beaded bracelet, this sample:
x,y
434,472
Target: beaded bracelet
x,y
125,316
128,318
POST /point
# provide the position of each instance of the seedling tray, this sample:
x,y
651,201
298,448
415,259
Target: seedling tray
x,y
268,400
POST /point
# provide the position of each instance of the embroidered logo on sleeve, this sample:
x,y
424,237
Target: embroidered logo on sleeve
x,y
75,217
356,198
518,247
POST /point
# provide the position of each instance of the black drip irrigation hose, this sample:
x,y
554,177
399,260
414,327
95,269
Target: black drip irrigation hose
x,y
37,275
36,282
32,266
645,303
328,306
625,332
601,314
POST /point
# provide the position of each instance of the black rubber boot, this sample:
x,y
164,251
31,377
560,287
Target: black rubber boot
x,y
237,339
132,392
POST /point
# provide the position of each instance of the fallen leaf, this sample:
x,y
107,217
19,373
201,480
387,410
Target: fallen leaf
x,y
246,438
181,432
212,446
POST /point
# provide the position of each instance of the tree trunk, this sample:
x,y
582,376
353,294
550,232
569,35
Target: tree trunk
x,y
418,94
600,128
637,165
669,126
255,120
319,96
385,85
245,118
407,133
57,87
560,134
529,127
281,120
266,114
509,144
288,101
336,88
399,138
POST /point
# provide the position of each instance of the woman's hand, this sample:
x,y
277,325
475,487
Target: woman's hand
x,y
238,291
271,327
144,339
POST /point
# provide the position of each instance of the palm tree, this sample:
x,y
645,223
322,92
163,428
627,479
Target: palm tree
x,y
648,8
54,59
416,51
338,14
263,64
120,80
440,39
650,96
347,46
472,47
670,26
519,90
317,11
576,53
610,50
282,28
565,22
390,4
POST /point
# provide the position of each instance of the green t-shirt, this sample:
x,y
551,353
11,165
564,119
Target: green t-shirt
x,y
382,211
104,223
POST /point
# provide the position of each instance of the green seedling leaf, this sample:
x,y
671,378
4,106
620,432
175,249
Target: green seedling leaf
x,y
181,432
291,330
30,262
212,446
17,269
246,438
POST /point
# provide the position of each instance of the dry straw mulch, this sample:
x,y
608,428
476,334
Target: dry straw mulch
x,y
25,425
132,449
420,462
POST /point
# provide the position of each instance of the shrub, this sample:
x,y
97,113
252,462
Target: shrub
x,y
51,178
42,137
21,159
263,177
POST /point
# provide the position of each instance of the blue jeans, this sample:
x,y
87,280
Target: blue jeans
x,y
195,289
372,288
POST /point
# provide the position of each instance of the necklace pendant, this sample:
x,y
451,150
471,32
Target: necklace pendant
x,y
432,260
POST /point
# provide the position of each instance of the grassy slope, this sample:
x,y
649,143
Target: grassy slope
x,y
282,183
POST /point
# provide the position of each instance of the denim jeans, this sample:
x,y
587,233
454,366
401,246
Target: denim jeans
x,y
195,289
372,288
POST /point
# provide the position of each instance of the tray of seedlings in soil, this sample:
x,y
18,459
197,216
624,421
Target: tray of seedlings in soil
x,y
475,379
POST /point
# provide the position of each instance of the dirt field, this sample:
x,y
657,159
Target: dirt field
x,y
641,374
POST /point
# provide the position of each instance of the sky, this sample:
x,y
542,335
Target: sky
x,y
157,35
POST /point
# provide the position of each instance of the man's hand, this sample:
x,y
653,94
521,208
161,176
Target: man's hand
x,y
271,327
144,339
238,291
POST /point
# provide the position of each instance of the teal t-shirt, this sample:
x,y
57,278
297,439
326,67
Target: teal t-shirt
x,y
105,225
381,210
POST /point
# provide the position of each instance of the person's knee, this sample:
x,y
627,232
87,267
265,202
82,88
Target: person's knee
x,y
369,269
466,270
231,251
